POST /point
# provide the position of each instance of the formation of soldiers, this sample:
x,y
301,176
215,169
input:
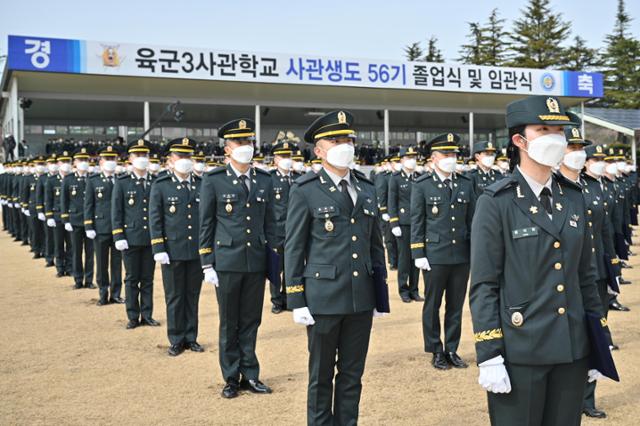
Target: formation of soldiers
x,y
318,232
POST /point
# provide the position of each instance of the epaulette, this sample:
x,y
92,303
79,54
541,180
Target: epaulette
x,y
460,175
123,176
496,187
423,177
560,179
396,173
260,171
216,171
361,176
162,178
308,177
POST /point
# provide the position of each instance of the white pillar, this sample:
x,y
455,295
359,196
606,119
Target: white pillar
x,y
122,132
582,117
470,132
257,120
386,132
14,105
147,118
633,149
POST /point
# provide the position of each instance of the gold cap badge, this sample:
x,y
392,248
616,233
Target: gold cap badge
x,y
342,117
242,124
450,137
553,105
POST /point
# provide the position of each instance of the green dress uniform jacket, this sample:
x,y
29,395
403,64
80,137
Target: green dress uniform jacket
x,y
130,209
72,199
482,179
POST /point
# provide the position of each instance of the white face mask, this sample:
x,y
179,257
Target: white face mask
x,y
285,164
504,165
597,168
92,169
622,166
109,166
52,168
409,163
154,167
298,166
198,166
612,169
447,164
396,167
65,168
183,165
547,150
575,159
83,166
341,156
119,169
488,160
243,154
40,169
140,163
419,169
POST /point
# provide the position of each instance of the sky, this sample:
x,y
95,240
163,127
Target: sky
x,y
358,29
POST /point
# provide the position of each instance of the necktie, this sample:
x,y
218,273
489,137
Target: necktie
x,y
345,193
447,186
545,199
243,180
143,181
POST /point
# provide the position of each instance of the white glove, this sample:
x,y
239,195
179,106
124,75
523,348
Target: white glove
x,y
26,212
422,263
385,217
493,376
91,234
42,217
396,231
211,276
593,375
122,245
17,206
51,223
68,227
3,202
303,316
162,258
377,314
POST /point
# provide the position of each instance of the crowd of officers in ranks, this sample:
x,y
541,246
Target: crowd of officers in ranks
x,y
226,223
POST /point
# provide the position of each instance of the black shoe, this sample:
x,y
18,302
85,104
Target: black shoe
x,y
615,347
90,285
405,299
417,298
616,306
439,361
132,324
595,413
37,256
275,309
49,264
624,282
175,350
393,268
149,321
455,360
77,286
102,303
255,386
25,243
625,265
194,347
60,274
230,390
117,300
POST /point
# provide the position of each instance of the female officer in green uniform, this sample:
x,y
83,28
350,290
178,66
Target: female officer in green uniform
x,y
532,278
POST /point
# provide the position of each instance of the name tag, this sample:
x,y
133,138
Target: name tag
x,y
524,232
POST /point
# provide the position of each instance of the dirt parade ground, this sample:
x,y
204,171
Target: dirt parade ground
x,y
63,360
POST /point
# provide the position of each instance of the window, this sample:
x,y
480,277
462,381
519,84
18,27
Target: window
x,y
112,131
61,130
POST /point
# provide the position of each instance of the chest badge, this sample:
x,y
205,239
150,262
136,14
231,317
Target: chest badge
x,y
559,207
434,210
533,209
73,192
517,319
99,194
228,208
277,196
131,201
172,209
328,225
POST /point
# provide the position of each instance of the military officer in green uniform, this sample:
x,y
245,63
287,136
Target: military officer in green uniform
x,y
31,210
382,195
97,225
236,225
484,175
72,202
442,206
174,216
130,221
533,277
53,213
399,209
52,169
332,250
282,178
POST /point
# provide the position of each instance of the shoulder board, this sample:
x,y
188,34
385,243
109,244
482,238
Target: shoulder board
x,y
501,185
162,178
195,177
566,183
308,177
216,171
273,172
395,173
463,176
422,177
260,171
123,176
361,176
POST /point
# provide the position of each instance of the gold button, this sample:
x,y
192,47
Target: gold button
x,y
144,209
248,205
589,211
354,238
248,243
317,274
188,216
560,288
144,227
188,226
556,244
453,218
561,311
452,206
453,229
401,210
189,237
248,231
355,273
353,220
188,206
558,266
145,200
144,218
248,217
454,241
354,255
590,224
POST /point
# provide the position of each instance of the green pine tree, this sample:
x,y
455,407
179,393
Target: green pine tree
x,y
413,52
538,36
433,53
621,58
473,52
579,57
496,41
